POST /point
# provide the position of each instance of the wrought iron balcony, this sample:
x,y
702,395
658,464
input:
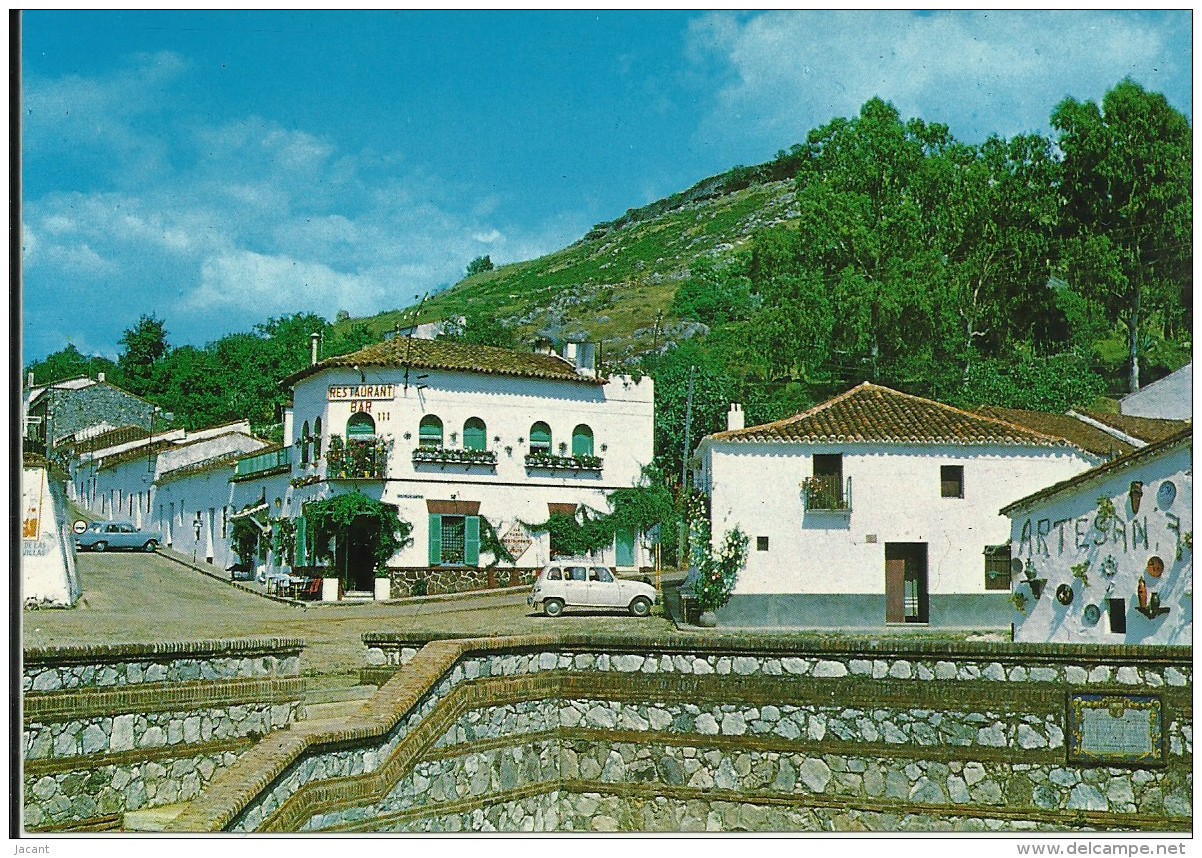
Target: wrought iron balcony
x,y
276,461
826,494
357,459
563,463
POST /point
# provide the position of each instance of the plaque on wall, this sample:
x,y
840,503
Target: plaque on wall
x,y
1115,730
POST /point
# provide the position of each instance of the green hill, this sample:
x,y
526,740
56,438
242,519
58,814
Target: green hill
x,y
611,285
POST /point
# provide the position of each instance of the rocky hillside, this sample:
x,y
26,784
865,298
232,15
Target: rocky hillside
x,y
615,285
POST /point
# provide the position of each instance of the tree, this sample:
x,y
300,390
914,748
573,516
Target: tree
x,y
1128,203
69,362
479,265
144,345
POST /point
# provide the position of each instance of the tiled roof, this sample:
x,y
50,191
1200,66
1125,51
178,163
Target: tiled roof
x,y
221,461
1166,444
447,355
874,414
1144,428
1088,438
111,438
133,455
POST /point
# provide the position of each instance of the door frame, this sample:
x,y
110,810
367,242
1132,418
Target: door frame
x,y
905,564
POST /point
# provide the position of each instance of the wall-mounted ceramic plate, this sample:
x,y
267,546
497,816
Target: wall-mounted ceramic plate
x,y
1166,494
1091,615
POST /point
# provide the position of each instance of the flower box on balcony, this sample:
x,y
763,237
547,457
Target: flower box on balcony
x,y
365,459
563,463
826,494
449,456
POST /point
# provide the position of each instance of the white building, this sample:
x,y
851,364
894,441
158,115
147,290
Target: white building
x,y
1107,556
875,507
48,576
467,442
1168,398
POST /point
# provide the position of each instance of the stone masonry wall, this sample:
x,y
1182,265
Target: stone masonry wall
x,y
110,729
434,581
576,734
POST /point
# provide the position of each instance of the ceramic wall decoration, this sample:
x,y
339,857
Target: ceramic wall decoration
x,y
1064,594
1136,494
1155,566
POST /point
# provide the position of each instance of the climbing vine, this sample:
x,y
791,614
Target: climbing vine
x,y
381,521
717,573
490,542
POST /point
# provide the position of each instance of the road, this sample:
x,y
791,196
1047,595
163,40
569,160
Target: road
x,y
133,597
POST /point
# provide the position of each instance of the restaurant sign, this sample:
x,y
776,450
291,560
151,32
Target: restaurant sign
x,y
337,392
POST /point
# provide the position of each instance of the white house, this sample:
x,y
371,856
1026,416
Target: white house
x,y
1168,398
469,443
1107,555
875,507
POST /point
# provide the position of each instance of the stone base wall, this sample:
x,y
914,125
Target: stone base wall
x,y
113,729
574,733
434,581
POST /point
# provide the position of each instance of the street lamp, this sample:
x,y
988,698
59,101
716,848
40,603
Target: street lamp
x,y
196,531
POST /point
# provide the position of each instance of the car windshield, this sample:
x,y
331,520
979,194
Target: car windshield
x,y
554,575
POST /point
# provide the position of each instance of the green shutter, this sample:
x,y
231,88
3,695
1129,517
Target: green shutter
x,y
302,549
475,434
582,441
471,540
435,540
624,547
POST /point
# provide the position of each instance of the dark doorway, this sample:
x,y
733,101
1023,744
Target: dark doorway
x,y
354,558
906,582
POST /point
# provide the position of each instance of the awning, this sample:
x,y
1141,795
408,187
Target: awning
x,y
251,513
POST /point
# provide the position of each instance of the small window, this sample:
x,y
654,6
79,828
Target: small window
x,y
361,425
997,567
475,434
554,575
429,432
540,438
951,481
577,573
761,543
582,441
316,439
600,573
1117,609
304,443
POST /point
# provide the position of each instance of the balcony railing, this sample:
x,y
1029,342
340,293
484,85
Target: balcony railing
x,y
357,459
563,463
826,494
255,466
449,456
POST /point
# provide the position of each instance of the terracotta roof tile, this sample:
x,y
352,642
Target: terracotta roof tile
x,y
1165,444
874,414
1088,438
1144,428
447,355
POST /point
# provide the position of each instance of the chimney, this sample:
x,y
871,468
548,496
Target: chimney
x,y
569,353
544,346
586,359
734,417
100,377
314,339
29,381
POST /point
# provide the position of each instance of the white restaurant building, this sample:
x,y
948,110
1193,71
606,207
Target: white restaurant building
x,y
467,442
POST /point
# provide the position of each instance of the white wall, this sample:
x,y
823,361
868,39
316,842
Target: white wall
x,y
47,545
1069,521
895,498
1170,398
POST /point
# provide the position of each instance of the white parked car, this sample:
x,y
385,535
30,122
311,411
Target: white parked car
x,y
583,584
111,535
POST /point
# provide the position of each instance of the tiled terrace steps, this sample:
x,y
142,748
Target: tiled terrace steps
x,y
224,803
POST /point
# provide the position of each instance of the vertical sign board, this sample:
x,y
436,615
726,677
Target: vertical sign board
x,y
1115,730
31,490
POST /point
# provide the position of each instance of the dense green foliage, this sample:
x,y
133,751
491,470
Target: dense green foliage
x,y
380,522
1032,272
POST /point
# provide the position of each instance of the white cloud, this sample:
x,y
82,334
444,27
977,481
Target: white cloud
x,y
979,72
490,237
258,284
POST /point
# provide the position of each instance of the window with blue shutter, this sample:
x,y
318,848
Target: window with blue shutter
x,y
435,540
540,438
361,425
471,540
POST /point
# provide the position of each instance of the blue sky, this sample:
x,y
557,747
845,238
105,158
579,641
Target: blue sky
x,y
217,168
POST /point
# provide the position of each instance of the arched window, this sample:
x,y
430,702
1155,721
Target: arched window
x,y
316,439
361,425
429,433
304,444
582,441
475,434
540,438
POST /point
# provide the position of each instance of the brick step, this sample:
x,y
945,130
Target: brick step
x,y
152,818
332,712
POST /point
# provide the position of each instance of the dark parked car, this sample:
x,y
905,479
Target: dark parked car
x,y
113,535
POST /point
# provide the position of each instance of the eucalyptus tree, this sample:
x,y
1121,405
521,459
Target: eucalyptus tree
x,y
1127,189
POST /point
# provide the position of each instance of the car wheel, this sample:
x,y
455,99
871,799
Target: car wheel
x,y
100,546
640,607
150,546
553,607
